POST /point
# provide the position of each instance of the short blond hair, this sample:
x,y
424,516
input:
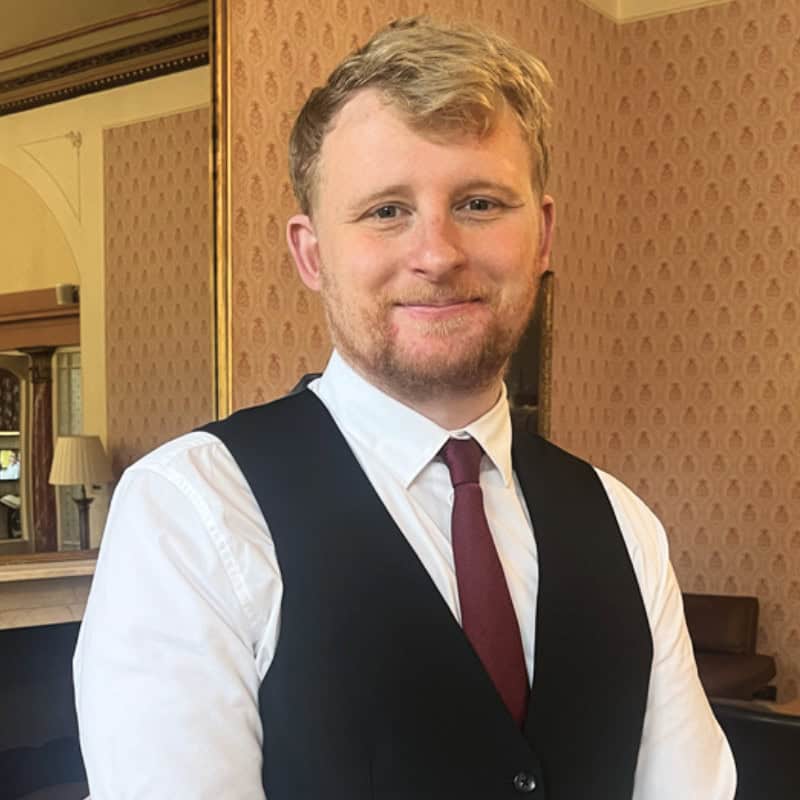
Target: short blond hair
x,y
440,78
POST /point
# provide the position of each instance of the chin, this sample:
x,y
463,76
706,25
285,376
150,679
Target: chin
x,y
427,372
422,362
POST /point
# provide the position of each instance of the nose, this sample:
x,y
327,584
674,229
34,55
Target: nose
x,y
436,247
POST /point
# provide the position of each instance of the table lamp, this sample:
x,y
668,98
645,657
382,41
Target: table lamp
x,y
80,460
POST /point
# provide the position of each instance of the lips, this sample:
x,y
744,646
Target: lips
x,y
439,302
439,309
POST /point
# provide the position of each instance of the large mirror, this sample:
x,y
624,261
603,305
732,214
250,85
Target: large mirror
x,y
107,298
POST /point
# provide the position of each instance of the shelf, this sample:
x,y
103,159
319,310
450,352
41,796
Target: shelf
x,y
46,566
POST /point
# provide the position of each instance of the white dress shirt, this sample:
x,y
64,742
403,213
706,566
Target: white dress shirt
x,y
184,612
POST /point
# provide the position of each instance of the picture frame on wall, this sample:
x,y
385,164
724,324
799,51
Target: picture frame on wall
x,y
529,376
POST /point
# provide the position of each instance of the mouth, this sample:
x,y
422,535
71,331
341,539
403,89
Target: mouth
x,y
440,308
441,302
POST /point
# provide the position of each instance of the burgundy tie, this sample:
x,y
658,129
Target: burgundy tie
x,y
487,614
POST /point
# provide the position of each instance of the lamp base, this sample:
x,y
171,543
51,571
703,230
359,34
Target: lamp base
x,y
83,504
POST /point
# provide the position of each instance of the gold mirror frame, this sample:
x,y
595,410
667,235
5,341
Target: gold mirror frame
x,y
221,204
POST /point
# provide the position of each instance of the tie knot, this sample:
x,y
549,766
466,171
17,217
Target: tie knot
x,y
463,459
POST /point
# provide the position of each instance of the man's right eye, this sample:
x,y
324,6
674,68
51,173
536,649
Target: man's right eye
x,y
386,212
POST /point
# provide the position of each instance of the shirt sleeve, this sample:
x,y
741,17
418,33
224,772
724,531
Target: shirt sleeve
x,y
683,751
166,683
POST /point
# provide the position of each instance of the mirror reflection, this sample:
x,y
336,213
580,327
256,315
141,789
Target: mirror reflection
x,y
39,393
10,500
107,298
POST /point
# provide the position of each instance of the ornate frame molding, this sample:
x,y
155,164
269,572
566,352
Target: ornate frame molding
x,y
221,201
547,290
138,62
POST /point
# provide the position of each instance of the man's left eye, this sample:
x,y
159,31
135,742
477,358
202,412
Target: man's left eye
x,y
480,204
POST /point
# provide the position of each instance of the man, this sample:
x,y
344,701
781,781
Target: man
x,y
348,593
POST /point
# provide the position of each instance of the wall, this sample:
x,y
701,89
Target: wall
x,y
35,252
675,359
582,55
158,292
705,354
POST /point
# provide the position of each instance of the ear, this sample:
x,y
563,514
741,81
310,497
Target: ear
x,y
548,222
304,246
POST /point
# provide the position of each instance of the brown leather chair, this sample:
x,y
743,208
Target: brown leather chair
x,y
723,631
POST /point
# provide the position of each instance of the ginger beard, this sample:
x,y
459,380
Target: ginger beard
x,y
417,360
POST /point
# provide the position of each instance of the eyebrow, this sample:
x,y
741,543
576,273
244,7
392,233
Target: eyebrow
x,y
481,185
393,190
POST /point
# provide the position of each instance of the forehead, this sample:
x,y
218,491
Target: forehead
x,y
371,140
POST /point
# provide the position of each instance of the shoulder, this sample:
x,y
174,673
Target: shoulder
x,y
273,421
196,457
190,453
642,531
188,503
628,506
196,468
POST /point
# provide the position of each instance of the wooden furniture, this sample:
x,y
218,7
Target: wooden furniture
x,y
724,631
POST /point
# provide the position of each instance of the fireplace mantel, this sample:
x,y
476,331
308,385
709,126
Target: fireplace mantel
x,y
46,571
44,590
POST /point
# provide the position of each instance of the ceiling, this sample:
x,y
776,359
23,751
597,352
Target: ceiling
x,y
48,28
51,49
629,10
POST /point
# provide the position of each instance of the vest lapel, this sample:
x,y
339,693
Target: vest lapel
x,y
593,647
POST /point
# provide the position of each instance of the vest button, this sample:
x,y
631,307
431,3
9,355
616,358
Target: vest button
x,y
524,782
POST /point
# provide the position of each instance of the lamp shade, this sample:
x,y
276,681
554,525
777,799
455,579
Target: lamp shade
x,y
80,460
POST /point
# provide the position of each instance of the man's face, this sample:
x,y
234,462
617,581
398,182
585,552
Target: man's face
x,y
427,251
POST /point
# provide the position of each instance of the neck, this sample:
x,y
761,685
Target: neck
x,y
455,411
450,409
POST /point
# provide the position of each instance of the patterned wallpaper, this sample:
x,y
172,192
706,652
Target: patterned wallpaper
x,y
676,180
159,324
704,415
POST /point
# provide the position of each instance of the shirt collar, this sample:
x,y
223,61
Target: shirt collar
x,y
403,439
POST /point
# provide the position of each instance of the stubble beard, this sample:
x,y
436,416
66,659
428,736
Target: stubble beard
x,y
422,376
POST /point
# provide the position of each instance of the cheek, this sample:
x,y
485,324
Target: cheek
x,y
505,249
509,266
361,267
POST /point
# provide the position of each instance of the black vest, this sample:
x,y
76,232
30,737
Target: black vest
x,y
374,691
